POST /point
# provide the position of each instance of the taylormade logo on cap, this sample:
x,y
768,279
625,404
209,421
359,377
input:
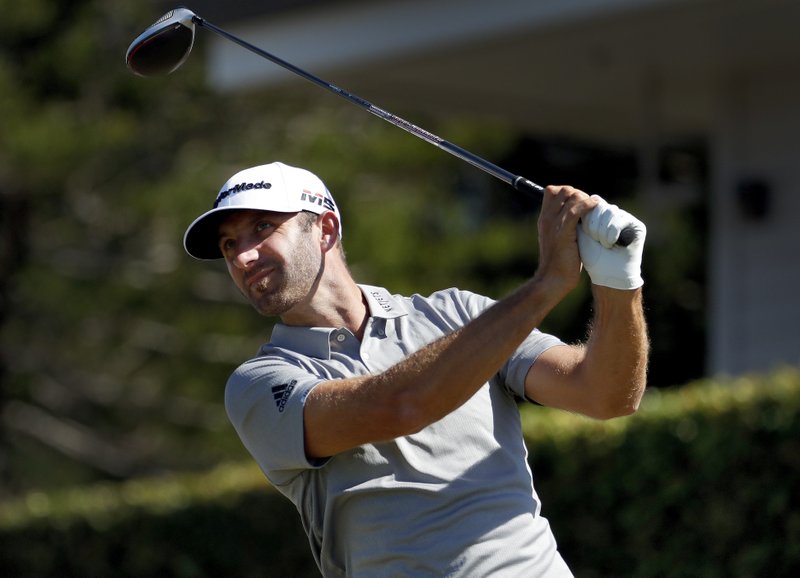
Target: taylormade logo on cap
x,y
240,187
273,187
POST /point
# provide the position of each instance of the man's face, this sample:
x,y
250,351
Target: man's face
x,y
273,258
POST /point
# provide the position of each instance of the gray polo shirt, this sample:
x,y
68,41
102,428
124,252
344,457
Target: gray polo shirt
x,y
455,499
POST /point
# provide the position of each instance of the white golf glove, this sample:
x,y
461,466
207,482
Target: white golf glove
x,y
606,263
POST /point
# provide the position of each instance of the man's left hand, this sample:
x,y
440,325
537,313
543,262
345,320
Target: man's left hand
x,y
608,264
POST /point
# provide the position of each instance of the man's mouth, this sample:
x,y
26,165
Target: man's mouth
x,y
258,279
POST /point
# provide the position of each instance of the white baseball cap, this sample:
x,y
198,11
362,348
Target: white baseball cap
x,y
274,187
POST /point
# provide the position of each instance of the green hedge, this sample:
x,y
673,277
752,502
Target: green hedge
x,y
227,522
702,481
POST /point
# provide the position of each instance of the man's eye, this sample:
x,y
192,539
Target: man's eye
x,y
227,244
263,226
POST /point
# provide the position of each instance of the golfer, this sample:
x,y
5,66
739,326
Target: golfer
x,y
391,421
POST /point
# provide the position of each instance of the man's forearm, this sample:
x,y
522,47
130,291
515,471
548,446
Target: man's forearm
x,y
617,350
437,379
427,385
443,375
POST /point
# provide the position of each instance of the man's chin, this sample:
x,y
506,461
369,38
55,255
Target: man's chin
x,y
269,305
268,309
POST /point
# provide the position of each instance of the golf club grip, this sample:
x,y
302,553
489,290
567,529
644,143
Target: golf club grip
x,y
626,236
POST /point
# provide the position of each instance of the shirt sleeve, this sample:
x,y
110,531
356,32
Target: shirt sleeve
x,y
264,400
515,370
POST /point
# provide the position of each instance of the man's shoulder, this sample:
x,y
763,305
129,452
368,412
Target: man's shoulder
x,y
439,296
458,301
269,360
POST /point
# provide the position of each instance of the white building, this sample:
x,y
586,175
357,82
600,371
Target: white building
x,y
639,72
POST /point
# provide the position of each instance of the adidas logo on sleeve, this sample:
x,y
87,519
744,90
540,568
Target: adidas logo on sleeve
x,y
281,394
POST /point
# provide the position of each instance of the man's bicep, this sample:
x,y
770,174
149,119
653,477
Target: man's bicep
x,y
554,379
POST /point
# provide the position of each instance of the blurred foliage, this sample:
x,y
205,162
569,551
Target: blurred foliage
x,y
115,345
700,482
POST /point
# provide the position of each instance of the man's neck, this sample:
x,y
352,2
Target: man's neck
x,y
337,305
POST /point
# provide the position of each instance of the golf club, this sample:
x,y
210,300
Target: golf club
x,y
165,45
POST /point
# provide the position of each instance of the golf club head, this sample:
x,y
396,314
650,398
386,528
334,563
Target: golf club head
x,y
163,46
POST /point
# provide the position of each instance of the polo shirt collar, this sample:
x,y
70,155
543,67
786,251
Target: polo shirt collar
x,y
315,341
381,303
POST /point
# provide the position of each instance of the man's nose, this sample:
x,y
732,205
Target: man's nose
x,y
246,257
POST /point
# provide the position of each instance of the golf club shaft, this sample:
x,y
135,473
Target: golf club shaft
x,y
627,235
516,181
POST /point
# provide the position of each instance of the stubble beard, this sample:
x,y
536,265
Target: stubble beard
x,y
289,284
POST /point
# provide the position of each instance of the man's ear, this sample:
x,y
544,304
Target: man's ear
x,y
330,230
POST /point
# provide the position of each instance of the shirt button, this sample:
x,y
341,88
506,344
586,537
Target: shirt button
x,y
365,356
341,337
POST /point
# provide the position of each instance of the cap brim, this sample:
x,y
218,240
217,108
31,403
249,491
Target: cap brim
x,y
201,240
